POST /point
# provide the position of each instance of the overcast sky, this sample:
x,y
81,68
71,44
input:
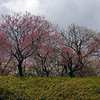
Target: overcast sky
x,y
61,12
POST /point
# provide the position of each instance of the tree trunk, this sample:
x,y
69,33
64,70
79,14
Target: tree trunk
x,y
62,74
20,68
65,67
47,72
71,74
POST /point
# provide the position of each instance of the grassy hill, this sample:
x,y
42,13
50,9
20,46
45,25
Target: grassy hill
x,y
49,88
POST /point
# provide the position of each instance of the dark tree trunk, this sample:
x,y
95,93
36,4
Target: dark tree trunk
x,y
71,74
65,67
20,68
47,72
2,72
70,68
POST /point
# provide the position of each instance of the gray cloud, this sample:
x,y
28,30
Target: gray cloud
x,y
61,12
4,1
81,12
5,10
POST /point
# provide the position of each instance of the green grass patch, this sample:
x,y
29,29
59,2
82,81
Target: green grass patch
x,y
49,88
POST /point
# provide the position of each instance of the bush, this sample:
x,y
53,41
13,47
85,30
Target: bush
x,y
49,88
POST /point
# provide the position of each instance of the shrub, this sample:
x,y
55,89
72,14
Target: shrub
x,y
49,88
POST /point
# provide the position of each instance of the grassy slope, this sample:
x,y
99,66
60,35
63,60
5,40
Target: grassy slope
x,y
39,88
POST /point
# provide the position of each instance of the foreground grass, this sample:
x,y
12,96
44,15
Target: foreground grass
x,y
39,88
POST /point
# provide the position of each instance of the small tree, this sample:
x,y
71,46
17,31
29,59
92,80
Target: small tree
x,y
45,56
77,41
